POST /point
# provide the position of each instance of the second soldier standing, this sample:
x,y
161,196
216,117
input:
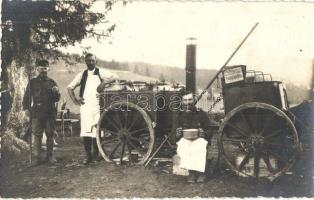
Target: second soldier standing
x,y
44,93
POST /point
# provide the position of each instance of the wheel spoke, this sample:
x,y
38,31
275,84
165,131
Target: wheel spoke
x,y
234,140
237,129
114,149
122,152
112,123
109,131
266,125
144,134
256,118
130,154
125,119
244,161
274,144
136,148
256,164
134,121
138,130
109,141
117,114
275,154
134,138
268,164
273,134
246,121
138,139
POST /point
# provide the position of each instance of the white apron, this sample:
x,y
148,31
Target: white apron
x,y
90,111
192,154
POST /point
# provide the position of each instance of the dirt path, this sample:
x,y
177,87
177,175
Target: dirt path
x,y
69,178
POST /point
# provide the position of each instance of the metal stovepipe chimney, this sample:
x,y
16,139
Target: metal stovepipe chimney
x,y
190,67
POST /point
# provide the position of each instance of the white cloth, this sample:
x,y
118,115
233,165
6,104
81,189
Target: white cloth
x,y
192,154
90,111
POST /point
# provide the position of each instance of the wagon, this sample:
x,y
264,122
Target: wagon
x,y
257,136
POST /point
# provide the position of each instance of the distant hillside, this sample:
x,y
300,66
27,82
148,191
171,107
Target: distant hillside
x,y
297,94
171,74
160,72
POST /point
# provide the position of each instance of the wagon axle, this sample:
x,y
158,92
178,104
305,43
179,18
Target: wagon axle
x,y
256,140
124,133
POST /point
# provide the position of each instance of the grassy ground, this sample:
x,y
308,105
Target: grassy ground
x,y
69,178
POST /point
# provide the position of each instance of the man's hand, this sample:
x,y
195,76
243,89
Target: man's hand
x,y
179,132
55,89
104,85
76,101
55,93
79,101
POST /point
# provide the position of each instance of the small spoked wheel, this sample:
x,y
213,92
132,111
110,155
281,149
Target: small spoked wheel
x,y
125,134
258,140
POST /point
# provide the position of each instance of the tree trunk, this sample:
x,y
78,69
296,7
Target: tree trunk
x,y
18,72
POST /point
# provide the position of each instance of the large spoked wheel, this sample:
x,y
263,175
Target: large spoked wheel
x,y
125,134
258,140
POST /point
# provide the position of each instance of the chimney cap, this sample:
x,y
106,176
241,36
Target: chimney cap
x,y
191,40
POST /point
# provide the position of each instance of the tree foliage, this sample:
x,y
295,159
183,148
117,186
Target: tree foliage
x,y
32,29
44,25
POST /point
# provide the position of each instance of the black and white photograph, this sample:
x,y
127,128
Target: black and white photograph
x,y
156,99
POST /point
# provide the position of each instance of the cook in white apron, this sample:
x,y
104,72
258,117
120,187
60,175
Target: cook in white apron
x,y
89,80
90,111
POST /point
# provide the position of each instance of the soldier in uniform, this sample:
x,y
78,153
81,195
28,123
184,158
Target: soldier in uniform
x,y
88,81
43,92
190,117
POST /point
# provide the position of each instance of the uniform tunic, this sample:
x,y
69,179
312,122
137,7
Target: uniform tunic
x,y
39,90
90,111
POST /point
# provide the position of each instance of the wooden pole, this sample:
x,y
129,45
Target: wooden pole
x,y
311,95
30,117
226,63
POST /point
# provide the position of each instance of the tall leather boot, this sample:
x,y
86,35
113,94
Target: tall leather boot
x,y
50,159
96,156
87,141
37,150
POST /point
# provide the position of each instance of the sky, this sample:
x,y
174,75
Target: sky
x,y
156,32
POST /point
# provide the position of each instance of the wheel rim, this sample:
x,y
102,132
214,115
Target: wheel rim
x,y
125,134
258,140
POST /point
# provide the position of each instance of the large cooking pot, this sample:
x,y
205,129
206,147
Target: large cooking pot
x,y
190,134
